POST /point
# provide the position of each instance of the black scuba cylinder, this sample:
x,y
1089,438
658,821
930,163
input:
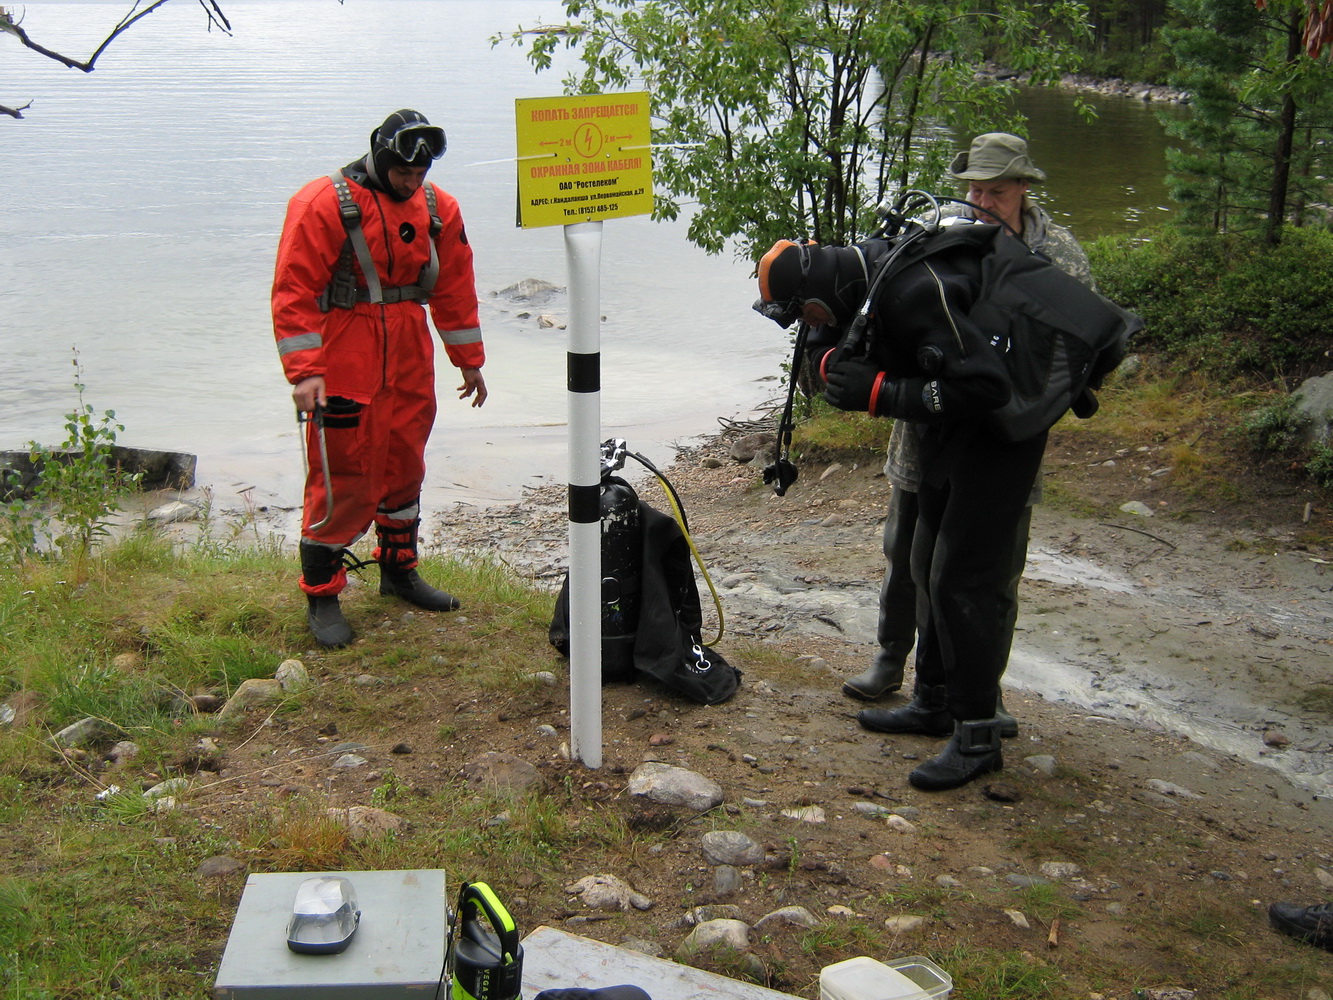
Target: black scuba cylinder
x,y
622,573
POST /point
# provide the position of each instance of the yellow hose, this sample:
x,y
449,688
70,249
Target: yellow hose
x,y
679,515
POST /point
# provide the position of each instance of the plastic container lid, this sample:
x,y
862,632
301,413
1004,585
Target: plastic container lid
x,y
912,978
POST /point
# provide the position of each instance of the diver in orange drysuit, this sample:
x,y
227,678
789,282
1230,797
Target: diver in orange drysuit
x,y
356,346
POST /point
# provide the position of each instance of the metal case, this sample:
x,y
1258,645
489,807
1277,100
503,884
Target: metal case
x,y
397,953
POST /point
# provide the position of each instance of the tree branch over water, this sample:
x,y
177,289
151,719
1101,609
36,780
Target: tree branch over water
x,y
11,25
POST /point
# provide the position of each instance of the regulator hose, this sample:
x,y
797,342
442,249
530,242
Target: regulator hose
x,y
678,512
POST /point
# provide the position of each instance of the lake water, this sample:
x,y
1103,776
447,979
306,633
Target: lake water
x,y
143,202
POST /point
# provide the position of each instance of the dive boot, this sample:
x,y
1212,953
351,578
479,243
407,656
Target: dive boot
x,y
973,750
327,623
323,577
407,584
1311,924
926,714
883,676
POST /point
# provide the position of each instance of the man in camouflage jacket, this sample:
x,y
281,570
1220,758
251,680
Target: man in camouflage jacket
x,y
999,174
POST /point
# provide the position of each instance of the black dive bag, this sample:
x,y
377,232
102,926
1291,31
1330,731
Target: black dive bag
x,y
651,618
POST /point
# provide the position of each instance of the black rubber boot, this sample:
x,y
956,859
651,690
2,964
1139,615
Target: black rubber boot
x,y
319,565
397,555
327,623
1311,924
883,676
926,714
407,584
973,750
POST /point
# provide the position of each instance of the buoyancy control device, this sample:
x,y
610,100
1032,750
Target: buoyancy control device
x,y
1058,339
651,619
342,291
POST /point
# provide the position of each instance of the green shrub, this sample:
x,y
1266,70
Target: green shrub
x,y
1319,467
77,489
1226,304
1273,429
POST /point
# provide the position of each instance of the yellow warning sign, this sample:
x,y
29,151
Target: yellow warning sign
x,y
583,158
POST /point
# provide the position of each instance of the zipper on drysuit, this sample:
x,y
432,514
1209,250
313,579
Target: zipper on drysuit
x,y
944,303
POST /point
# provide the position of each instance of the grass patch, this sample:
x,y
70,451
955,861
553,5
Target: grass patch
x,y
828,432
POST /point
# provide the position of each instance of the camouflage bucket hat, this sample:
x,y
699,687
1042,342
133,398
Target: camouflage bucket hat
x,y
995,156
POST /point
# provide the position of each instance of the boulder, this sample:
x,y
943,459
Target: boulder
x,y
1314,406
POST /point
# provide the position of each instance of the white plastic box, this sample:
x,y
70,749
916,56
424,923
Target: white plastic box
x,y
912,978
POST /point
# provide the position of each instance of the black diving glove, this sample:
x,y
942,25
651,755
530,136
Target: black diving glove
x,y
851,384
856,385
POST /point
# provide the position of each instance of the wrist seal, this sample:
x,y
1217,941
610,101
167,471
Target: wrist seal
x,y
873,406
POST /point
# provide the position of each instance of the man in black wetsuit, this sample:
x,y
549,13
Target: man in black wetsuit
x,y
930,362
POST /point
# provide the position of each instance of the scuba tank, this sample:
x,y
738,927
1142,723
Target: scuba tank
x,y
622,565
487,961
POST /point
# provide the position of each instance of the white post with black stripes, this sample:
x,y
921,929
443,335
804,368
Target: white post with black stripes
x,y
583,253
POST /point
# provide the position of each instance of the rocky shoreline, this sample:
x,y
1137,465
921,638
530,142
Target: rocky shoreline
x,y
1149,93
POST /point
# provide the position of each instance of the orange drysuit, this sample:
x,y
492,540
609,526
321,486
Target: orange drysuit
x,y
379,356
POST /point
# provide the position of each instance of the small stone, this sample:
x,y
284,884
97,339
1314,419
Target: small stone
x,y
726,880
1002,791
1041,763
1025,881
364,822
733,935
1277,739
219,866
607,892
905,923
292,675
80,733
1018,919
797,916
172,786
731,847
806,814
174,513
1167,788
125,750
